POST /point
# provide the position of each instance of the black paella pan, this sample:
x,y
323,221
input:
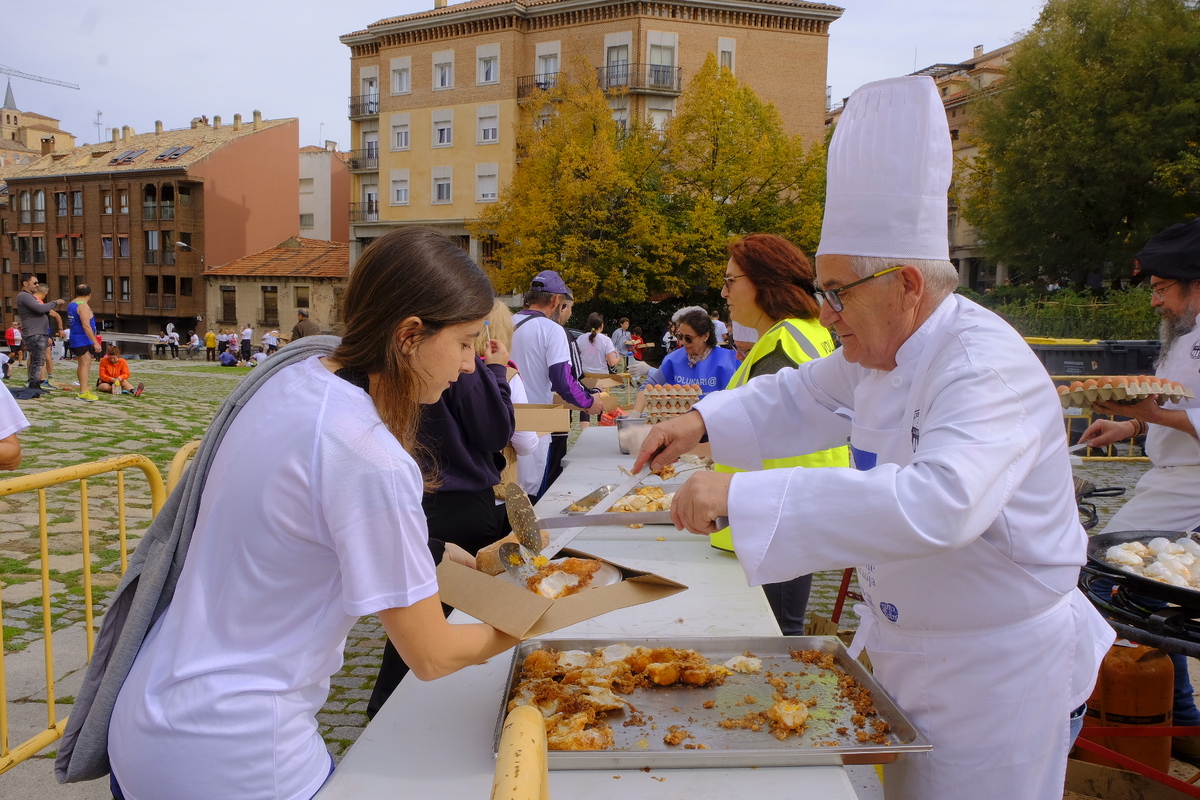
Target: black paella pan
x,y
1098,545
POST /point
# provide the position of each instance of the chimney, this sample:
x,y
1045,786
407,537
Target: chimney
x,y
257,120
48,145
237,122
116,134
978,51
216,121
330,144
126,132
439,3
195,122
157,126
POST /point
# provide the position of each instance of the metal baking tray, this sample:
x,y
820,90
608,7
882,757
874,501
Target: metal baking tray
x,y
593,497
642,746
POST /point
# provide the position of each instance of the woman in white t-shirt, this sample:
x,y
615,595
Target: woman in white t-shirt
x,y
597,352
222,698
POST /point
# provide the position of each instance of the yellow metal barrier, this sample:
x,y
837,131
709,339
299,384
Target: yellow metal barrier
x,y
39,482
179,463
1089,418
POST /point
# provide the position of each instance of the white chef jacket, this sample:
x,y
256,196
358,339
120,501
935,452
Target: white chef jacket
x,y
962,510
1166,498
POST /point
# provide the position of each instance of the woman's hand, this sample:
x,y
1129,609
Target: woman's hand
x,y
458,555
497,353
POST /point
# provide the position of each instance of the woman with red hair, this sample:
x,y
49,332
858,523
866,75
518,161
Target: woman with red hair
x,y
769,287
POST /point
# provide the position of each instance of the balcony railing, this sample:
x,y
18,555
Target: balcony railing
x,y
364,160
168,257
166,211
168,302
364,105
651,78
151,301
543,81
149,210
364,212
150,257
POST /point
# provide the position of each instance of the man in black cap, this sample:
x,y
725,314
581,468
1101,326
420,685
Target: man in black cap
x,y
541,349
1166,498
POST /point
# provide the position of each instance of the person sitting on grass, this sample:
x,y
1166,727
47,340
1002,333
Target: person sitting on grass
x,y
114,374
229,359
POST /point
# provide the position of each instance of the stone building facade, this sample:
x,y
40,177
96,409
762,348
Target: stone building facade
x,y
436,95
264,289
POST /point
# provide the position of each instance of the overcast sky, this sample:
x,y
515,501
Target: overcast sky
x,y
144,60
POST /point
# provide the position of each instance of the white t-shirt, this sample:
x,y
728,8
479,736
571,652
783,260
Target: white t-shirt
x,y
720,329
12,419
257,359
173,337
594,353
247,334
530,464
222,699
536,345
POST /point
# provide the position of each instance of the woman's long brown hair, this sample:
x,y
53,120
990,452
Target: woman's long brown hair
x,y
412,272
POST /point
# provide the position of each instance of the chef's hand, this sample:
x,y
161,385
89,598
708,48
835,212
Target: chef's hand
x,y
458,555
1104,432
497,353
669,440
1145,410
698,503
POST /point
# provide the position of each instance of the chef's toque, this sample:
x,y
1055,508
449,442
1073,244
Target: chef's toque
x,y
889,171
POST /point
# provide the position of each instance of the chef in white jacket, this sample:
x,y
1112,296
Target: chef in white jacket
x,y
959,511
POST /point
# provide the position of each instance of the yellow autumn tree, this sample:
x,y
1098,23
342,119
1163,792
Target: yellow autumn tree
x,y
735,170
585,199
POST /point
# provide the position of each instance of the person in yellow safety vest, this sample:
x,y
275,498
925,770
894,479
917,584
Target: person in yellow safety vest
x,y
769,287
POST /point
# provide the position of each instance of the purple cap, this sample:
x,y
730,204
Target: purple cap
x,y
549,281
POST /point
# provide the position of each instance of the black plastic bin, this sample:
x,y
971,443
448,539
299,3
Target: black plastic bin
x,y
1096,357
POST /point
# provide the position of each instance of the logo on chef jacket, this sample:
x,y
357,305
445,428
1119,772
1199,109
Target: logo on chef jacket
x,y
916,429
890,611
1196,350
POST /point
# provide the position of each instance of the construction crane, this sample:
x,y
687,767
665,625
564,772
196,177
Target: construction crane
x,y
9,71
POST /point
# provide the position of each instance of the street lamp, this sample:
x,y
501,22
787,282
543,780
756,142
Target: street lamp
x,y
191,249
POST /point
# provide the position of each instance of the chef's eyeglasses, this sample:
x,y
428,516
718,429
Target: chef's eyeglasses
x,y
1157,291
833,296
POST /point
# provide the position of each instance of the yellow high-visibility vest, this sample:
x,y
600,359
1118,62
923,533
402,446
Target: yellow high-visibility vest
x,y
799,340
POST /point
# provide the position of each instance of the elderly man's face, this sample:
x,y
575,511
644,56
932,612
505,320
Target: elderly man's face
x,y
869,324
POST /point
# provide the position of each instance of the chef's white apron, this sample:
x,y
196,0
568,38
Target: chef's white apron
x,y
1006,650
1165,500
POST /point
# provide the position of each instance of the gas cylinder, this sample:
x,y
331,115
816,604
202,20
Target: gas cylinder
x,y
1135,688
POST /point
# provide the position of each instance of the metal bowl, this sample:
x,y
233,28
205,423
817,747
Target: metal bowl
x,y
631,432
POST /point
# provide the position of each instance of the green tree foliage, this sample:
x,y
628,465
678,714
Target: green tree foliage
x,y
734,170
585,200
635,213
1076,151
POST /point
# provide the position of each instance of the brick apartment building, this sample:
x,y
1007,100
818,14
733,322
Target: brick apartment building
x,y
138,218
435,95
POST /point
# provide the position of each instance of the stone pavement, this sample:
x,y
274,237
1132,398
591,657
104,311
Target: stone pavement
x,y
181,398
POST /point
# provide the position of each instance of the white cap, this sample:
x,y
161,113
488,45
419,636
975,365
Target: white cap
x,y
890,164
744,333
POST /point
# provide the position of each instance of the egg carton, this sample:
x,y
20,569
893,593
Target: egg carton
x,y
1121,389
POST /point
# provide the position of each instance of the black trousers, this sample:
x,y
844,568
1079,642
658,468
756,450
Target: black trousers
x,y
789,602
471,520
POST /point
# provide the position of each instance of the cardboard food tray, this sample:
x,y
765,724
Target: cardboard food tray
x,y
523,614
639,746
